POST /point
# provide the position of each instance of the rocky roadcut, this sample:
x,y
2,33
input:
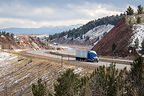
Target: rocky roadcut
x,y
120,36
22,42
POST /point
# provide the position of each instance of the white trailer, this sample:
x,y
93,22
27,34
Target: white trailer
x,y
81,54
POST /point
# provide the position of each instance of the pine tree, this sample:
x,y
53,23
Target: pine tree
x,y
140,9
139,20
113,46
137,77
130,11
136,43
142,47
107,81
67,84
39,89
87,38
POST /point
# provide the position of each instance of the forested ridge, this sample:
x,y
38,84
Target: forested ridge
x,y
74,33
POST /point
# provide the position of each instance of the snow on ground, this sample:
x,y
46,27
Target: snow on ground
x,y
138,31
4,56
77,70
20,79
99,31
18,50
5,65
95,33
42,36
4,62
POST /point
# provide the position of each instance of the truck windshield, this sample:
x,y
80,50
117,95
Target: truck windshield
x,y
94,55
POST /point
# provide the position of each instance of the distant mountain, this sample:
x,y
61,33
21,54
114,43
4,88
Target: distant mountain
x,y
41,30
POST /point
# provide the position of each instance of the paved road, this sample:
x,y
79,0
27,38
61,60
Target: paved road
x,y
118,65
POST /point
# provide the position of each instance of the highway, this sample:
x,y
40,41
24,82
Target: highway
x,y
120,63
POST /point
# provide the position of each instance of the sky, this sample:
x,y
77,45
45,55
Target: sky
x,y
42,13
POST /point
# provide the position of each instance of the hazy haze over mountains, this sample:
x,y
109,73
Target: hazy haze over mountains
x,y
41,30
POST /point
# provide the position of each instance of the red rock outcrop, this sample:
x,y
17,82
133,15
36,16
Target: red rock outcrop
x,y
120,35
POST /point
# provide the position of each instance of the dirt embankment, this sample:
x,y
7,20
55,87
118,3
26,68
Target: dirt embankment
x,y
22,42
8,43
119,37
29,42
23,69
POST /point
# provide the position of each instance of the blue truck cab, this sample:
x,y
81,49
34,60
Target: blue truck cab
x,y
92,56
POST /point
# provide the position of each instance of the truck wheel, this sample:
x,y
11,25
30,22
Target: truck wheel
x,y
97,61
78,59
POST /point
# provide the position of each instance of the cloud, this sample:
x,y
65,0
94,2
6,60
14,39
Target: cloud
x,y
24,23
38,13
13,22
95,10
18,10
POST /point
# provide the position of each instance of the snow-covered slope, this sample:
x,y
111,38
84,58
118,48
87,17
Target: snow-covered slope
x,y
138,33
42,36
5,59
98,32
89,38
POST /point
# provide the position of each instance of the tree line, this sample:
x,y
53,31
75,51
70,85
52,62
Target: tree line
x,y
104,81
4,33
130,10
140,10
74,33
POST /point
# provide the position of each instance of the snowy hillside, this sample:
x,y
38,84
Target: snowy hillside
x,y
5,58
138,31
42,36
89,38
98,32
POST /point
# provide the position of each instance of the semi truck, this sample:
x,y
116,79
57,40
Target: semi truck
x,y
85,55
